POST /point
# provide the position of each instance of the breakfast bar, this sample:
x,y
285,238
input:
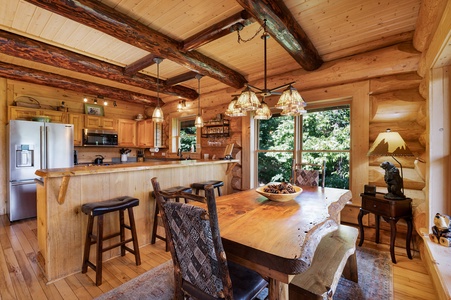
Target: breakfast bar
x,y
60,194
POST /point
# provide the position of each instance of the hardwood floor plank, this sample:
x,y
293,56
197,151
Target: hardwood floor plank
x,y
64,289
29,276
15,273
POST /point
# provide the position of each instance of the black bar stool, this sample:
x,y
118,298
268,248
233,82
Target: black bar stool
x,y
171,190
98,209
201,185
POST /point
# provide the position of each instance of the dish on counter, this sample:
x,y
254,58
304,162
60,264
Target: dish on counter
x,y
279,197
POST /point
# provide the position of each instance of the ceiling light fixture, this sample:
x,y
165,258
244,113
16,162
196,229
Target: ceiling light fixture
x,y
290,102
199,122
157,115
181,106
233,110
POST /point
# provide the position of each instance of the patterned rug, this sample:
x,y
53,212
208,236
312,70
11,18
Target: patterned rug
x,y
374,267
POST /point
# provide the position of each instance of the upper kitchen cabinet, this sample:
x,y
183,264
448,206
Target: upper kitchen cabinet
x,y
95,122
77,120
126,131
145,133
150,134
26,113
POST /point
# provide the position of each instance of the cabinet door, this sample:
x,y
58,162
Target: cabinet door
x,y
77,120
55,116
22,113
145,133
126,131
95,122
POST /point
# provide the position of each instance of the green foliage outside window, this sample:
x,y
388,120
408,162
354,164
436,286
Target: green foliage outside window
x,y
325,134
187,136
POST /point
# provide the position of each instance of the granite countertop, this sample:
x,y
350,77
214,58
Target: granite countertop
x,y
109,167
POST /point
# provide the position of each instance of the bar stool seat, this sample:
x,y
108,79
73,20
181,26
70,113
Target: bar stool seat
x,y
171,190
99,209
201,185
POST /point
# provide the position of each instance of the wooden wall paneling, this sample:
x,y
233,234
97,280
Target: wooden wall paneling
x,y
402,81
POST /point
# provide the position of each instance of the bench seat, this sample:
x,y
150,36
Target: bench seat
x,y
334,256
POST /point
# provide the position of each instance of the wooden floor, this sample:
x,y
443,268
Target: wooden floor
x,y
21,278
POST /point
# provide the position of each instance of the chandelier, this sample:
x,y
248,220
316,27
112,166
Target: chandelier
x,y
290,102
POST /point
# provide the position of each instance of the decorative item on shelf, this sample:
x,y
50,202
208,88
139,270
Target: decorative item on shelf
x,y
181,105
391,144
157,115
290,102
199,122
93,109
26,101
139,117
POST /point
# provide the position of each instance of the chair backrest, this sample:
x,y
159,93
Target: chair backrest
x,y
307,174
200,263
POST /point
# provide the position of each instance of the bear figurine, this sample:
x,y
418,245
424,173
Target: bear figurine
x,y
441,231
393,181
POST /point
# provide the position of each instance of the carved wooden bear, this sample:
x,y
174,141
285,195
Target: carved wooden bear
x,y
441,231
393,181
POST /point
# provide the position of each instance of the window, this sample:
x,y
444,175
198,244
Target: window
x,y
324,135
275,149
188,136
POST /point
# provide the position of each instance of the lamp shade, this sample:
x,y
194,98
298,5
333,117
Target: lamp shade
x,y
389,144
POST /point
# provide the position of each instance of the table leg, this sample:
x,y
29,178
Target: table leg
x,y
409,236
361,232
277,290
378,222
392,240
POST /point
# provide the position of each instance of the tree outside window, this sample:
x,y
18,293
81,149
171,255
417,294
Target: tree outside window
x,y
325,136
187,136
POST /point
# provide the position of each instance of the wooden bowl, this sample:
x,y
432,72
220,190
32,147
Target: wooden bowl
x,y
279,197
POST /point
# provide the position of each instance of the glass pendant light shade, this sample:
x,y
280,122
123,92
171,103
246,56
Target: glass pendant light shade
x,y
263,112
233,111
199,122
157,115
248,100
290,97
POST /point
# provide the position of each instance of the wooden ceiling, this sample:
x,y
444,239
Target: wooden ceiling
x,y
109,41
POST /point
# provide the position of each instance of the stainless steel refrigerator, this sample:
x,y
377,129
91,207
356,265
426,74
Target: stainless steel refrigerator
x,y
34,146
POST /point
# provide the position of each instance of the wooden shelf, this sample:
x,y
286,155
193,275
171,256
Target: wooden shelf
x,y
216,128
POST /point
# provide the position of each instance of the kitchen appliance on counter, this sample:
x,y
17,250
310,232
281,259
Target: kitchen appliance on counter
x,y
94,137
34,146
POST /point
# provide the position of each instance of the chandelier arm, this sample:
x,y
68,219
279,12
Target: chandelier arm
x,y
282,86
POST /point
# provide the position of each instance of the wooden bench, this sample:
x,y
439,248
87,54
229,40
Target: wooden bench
x,y
335,255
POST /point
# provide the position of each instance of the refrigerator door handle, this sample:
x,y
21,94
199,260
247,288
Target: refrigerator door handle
x,y
43,147
22,182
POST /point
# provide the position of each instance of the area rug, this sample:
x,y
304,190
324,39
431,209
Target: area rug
x,y
374,268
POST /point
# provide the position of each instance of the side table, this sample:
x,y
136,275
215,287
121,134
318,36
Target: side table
x,y
391,211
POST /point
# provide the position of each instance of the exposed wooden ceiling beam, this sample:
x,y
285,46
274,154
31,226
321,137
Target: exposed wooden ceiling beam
x,y
63,82
286,30
22,47
139,65
181,78
101,17
217,31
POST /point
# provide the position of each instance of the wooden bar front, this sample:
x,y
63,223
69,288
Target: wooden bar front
x,y
61,225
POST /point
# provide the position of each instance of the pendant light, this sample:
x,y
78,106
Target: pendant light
x,y
157,115
198,122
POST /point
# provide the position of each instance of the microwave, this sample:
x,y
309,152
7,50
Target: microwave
x,y
94,137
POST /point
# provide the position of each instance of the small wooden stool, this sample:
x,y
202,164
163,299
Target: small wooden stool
x,y
201,185
171,190
98,209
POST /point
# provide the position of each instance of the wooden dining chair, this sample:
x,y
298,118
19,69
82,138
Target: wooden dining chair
x,y
307,174
201,269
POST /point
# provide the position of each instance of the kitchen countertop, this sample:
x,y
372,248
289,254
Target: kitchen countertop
x,y
87,169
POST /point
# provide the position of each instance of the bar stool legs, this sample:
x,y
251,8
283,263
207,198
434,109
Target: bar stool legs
x,y
99,209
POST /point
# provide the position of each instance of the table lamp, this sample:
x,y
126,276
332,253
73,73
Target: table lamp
x,y
391,144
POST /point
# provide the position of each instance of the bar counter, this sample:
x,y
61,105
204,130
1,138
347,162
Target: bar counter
x,y
61,226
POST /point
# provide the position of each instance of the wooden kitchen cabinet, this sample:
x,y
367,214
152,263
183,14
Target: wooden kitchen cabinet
x,y
145,133
126,131
27,113
77,120
96,122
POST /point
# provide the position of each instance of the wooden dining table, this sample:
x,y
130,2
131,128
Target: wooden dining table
x,y
278,239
